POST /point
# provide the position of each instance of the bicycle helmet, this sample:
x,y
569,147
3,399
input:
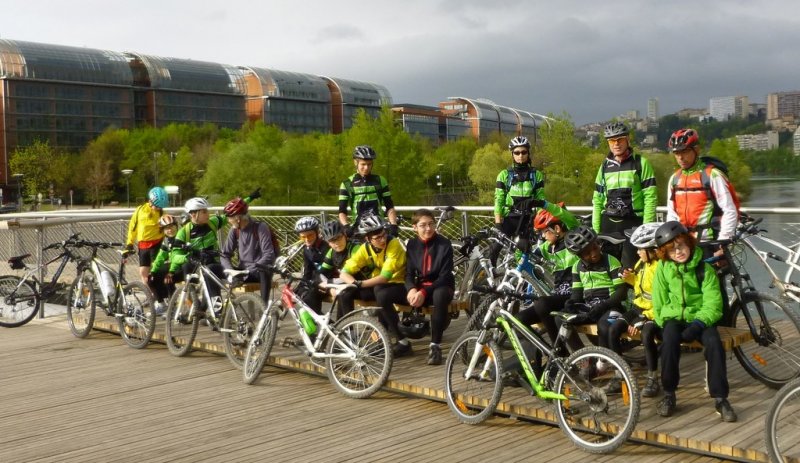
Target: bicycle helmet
x,y
195,204
615,129
669,231
305,224
166,220
579,239
364,152
415,326
369,223
236,206
683,139
519,141
332,230
544,220
158,197
644,236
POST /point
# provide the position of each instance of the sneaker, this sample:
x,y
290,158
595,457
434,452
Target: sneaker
x,y
667,406
652,387
614,386
435,355
725,411
159,309
402,349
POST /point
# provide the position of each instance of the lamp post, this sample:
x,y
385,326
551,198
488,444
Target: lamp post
x,y
19,190
127,174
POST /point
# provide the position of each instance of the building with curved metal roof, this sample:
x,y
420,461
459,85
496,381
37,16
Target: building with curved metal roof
x,y
486,118
348,96
293,101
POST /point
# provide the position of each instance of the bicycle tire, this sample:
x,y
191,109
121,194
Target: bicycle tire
x,y
596,418
473,400
475,321
774,361
367,373
82,304
260,344
782,422
474,300
181,322
12,316
238,325
138,322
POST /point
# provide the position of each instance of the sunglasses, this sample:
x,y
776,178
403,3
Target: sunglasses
x,y
519,153
616,141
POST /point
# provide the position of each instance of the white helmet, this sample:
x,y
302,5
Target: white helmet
x,y
195,204
644,236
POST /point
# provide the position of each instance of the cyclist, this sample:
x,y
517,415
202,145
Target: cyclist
x,y
340,250
640,318
365,192
625,193
554,250
429,276
160,265
313,253
143,229
519,189
385,260
251,240
688,304
198,235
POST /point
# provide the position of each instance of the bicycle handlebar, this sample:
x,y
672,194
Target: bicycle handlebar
x,y
503,292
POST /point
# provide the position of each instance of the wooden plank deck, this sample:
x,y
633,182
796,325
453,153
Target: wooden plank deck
x,y
67,399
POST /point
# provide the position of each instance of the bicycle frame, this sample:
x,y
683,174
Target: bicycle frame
x,y
792,259
47,288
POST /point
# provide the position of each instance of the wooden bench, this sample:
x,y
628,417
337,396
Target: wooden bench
x,y
455,307
731,337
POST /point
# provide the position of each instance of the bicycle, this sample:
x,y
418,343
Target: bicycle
x,y
772,357
594,391
355,349
782,424
21,297
235,316
98,283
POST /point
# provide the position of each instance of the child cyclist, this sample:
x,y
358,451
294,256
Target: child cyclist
x,y
314,252
160,265
640,318
341,249
688,304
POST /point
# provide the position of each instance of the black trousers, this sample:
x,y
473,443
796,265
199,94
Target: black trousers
x,y
265,279
626,253
161,290
712,349
650,332
512,226
440,298
540,313
347,299
387,295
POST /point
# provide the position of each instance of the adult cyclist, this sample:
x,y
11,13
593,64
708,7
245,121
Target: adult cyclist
x,y
365,192
144,230
625,193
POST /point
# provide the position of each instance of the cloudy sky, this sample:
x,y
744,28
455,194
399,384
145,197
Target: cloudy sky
x,y
593,60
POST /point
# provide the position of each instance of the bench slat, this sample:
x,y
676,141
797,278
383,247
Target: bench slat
x,y
731,337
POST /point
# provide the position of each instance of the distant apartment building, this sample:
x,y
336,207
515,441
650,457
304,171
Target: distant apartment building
x,y
759,141
729,107
694,113
796,141
652,109
783,110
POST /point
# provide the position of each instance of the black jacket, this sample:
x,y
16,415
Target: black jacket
x,y
429,265
313,257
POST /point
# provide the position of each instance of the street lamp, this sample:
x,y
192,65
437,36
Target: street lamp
x,y
19,189
127,174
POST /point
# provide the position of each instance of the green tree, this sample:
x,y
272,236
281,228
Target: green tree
x,y
487,162
738,171
569,166
97,174
42,166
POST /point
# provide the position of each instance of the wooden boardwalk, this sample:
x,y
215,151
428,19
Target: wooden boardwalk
x,y
95,399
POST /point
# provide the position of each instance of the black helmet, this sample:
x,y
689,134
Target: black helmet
x,y
332,229
615,129
369,223
669,231
579,238
364,152
415,326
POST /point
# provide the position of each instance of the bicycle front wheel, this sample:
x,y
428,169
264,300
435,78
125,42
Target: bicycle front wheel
x,y
260,344
182,321
138,321
364,356
783,424
19,303
473,398
773,357
81,304
238,325
602,404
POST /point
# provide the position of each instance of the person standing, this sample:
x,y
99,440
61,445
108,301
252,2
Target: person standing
x,y
144,230
625,193
365,192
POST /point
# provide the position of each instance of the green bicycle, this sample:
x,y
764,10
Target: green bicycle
x,y
594,391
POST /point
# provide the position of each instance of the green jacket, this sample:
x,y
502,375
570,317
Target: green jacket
x,y
505,197
677,295
629,186
207,240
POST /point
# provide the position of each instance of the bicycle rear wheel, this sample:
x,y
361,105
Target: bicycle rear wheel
x,y
182,321
364,374
24,305
602,405
773,357
81,304
238,325
782,429
138,322
473,399
260,344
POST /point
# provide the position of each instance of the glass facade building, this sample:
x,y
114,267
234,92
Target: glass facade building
x,y
293,101
348,96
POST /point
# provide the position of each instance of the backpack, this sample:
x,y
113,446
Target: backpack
x,y
511,176
705,176
276,244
